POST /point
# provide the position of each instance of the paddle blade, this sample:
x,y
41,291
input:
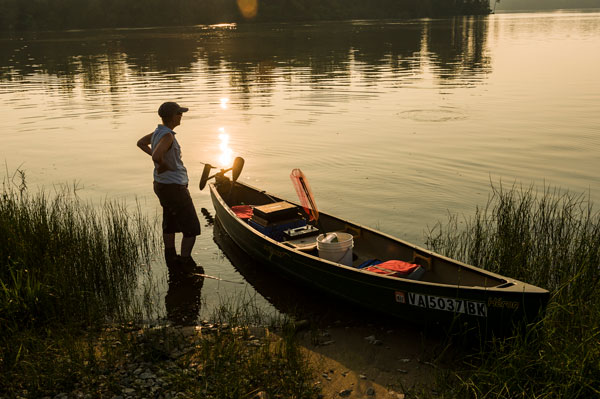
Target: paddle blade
x,y
238,165
204,178
304,194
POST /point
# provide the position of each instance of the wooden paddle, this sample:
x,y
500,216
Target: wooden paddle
x,y
238,165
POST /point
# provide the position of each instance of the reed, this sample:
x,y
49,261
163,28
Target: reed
x,y
66,268
242,309
551,239
72,312
237,360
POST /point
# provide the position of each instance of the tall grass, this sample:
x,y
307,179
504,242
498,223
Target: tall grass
x,y
233,368
245,359
550,239
64,267
68,269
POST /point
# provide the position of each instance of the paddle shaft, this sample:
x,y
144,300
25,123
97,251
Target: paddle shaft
x,y
313,206
216,278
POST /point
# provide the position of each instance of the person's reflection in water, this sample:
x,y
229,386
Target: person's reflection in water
x,y
183,299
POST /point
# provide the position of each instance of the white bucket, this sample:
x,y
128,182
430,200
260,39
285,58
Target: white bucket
x,y
340,251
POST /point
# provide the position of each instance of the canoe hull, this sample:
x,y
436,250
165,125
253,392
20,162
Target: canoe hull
x,y
493,309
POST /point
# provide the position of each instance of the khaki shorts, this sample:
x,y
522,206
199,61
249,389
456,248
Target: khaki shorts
x,y
179,214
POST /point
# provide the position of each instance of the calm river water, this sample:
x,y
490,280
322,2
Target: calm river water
x,y
395,123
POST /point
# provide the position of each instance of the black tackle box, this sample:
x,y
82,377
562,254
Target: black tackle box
x,y
300,232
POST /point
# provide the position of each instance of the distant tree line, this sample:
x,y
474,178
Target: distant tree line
x,y
545,4
76,14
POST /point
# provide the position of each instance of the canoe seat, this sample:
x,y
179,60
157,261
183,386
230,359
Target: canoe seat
x,y
422,260
302,246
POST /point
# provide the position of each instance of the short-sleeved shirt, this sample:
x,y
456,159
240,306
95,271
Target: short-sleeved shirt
x,y
176,173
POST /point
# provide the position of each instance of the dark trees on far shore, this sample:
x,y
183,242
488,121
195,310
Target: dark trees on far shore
x,y
80,14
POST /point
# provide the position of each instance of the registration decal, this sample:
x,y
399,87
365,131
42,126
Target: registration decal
x,y
472,308
400,297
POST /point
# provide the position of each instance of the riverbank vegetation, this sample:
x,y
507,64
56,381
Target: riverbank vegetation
x,y
550,239
73,308
79,14
66,268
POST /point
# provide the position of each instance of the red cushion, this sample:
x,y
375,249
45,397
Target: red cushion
x,y
243,211
393,267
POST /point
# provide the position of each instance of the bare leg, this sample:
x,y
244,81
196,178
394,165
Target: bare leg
x,y
170,251
187,243
169,240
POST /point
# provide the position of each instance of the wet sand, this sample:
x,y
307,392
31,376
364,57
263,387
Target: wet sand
x,y
370,361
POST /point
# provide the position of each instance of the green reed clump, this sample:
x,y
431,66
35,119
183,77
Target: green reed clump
x,y
234,368
64,267
550,239
241,310
237,361
64,261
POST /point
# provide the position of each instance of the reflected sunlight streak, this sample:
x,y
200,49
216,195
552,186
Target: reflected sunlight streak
x,y
224,103
226,155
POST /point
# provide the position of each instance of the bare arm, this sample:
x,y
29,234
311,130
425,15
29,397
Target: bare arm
x,y
159,151
144,143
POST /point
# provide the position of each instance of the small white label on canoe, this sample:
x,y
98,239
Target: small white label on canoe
x,y
455,305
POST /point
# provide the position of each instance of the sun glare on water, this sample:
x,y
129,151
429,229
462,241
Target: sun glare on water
x,y
224,103
226,154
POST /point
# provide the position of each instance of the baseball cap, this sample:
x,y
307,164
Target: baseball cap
x,y
170,108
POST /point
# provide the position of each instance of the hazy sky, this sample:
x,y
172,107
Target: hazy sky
x,y
544,4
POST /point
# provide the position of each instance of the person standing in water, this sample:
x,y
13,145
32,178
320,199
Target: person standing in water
x,y
171,185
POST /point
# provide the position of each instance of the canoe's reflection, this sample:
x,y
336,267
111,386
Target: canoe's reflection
x,y
287,296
